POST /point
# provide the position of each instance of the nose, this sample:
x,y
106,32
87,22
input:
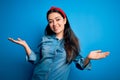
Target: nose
x,y
54,22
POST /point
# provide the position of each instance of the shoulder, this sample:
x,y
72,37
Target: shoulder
x,y
47,37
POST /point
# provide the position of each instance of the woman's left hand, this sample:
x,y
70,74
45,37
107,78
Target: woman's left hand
x,y
97,54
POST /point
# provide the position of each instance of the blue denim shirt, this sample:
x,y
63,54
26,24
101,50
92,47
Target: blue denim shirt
x,y
50,62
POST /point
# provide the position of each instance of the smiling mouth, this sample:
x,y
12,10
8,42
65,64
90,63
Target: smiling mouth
x,y
55,29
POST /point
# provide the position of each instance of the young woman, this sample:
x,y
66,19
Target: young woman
x,y
58,48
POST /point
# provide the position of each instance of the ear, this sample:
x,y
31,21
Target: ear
x,y
65,20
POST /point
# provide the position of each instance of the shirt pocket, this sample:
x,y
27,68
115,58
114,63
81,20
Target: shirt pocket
x,y
48,47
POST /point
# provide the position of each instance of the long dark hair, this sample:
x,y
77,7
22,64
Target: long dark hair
x,y
71,43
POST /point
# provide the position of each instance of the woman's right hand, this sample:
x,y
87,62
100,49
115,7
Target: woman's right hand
x,y
23,43
18,41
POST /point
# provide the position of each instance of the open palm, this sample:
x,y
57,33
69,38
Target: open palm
x,y
97,54
18,41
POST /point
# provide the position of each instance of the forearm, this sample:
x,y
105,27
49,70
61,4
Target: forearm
x,y
27,49
86,61
22,43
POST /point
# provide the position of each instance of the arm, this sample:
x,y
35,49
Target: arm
x,y
84,63
22,43
31,56
95,55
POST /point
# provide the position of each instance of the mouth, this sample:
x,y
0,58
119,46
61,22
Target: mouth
x,y
55,28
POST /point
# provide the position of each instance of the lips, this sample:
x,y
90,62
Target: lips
x,y
55,28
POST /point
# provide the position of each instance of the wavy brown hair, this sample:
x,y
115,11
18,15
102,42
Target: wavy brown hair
x,y
71,43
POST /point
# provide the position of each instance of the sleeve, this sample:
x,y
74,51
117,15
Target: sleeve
x,y
79,62
34,57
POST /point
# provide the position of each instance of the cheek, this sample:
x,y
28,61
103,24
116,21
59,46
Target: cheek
x,y
50,26
63,28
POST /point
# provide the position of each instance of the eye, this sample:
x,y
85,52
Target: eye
x,y
57,19
50,21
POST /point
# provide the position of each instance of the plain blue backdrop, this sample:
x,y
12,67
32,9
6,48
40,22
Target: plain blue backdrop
x,y
95,22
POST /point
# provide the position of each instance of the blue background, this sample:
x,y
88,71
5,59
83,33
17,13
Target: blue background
x,y
95,22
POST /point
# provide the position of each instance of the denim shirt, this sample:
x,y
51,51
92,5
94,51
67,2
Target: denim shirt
x,y
50,62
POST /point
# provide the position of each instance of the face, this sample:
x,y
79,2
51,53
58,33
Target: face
x,y
56,23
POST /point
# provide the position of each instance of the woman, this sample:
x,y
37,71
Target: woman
x,y
58,48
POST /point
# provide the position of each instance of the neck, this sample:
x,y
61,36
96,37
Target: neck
x,y
59,36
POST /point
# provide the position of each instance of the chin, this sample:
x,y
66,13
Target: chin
x,y
56,32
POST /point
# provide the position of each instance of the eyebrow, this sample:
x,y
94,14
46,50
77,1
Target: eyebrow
x,y
54,18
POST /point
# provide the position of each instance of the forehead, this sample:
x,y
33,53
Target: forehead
x,y
54,15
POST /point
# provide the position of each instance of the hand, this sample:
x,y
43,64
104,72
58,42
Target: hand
x,y
18,41
97,54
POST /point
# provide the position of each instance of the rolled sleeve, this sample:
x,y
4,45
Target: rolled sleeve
x,y
79,62
32,57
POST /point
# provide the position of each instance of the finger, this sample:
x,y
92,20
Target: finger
x,y
19,39
11,39
106,53
98,51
